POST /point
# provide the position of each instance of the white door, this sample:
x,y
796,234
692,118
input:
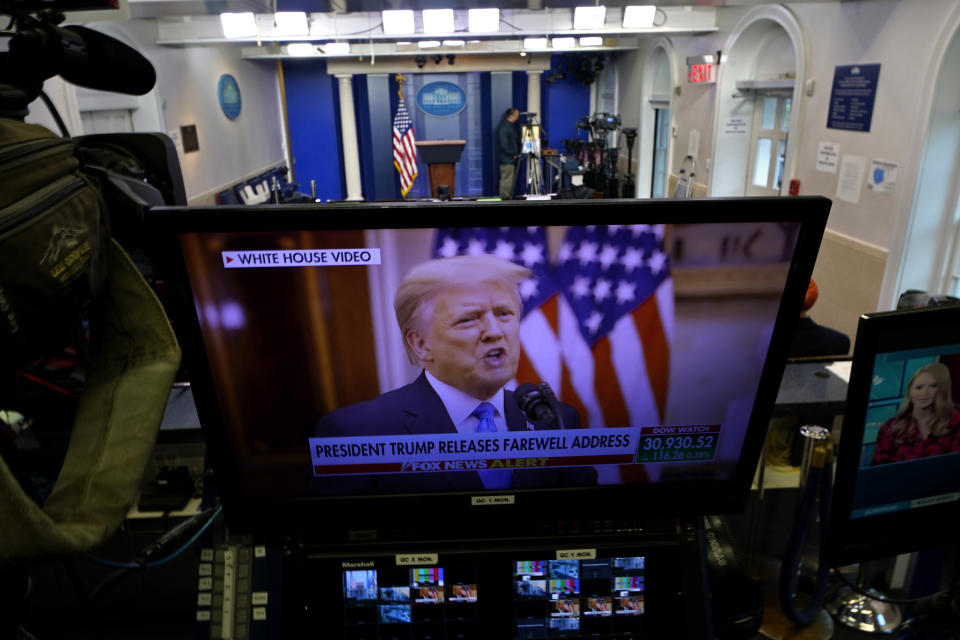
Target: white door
x,y
107,121
768,144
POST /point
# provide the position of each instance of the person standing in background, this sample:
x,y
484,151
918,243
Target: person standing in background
x,y
508,150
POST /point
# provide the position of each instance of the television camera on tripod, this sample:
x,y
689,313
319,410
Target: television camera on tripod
x,y
599,155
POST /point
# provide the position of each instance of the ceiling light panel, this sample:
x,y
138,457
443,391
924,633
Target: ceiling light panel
x,y
336,48
238,25
483,20
301,49
437,21
428,44
397,22
589,17
534,44
639,16
291,23
563,43
591,41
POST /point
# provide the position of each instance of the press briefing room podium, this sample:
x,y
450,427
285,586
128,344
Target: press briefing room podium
x,y
441,157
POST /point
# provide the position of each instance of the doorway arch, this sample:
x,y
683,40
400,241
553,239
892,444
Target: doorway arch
x,y
657,93
930,250
767,48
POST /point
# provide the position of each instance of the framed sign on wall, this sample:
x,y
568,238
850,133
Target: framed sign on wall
x,y
228,93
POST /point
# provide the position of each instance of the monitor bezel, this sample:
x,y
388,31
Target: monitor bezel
x,y
448,515
852,540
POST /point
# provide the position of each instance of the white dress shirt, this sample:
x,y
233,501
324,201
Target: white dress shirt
x,y
460,406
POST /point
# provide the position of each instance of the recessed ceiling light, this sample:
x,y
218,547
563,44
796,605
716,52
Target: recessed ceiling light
x,y
454,43
563,43
483,20
639,16
336,48
428,44
437,21
238,25
591,41
535,44
589,17
397,22
291,23
301,49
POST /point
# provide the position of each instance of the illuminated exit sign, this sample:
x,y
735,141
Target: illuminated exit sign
x,y
701,69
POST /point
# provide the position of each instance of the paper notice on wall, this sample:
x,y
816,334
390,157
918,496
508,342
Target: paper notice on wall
x,y
882,177
827,156
736,125
177,141
851,178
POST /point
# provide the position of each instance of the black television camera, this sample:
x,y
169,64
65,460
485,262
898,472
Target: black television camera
x,y
605,122
131,171
597,157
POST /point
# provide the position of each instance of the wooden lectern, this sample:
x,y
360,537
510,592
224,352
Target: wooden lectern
x,y
441,157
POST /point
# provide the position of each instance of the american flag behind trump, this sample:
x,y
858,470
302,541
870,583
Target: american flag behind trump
x,y
404,149
597,325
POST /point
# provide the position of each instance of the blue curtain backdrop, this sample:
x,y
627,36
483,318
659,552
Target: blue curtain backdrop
x,y
564,101
313,118
464,125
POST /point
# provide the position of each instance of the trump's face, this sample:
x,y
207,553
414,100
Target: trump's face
x,y
470,338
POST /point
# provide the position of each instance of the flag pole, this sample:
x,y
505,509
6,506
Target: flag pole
x,y
404,151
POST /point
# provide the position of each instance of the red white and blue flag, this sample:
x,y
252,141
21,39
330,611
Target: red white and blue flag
x,y
597,323
404,148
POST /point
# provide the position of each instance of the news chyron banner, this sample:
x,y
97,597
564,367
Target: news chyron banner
x,y
443,452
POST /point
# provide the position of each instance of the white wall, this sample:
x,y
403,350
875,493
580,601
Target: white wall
x,y
902,37
187,77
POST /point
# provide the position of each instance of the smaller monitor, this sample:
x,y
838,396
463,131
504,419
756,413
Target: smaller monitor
x,y
897,484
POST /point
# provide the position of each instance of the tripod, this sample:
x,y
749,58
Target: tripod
x,y
530,147
629,185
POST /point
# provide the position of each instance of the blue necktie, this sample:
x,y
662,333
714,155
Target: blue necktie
x,y
484,414
492,478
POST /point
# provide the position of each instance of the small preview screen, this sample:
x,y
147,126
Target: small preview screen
x,y
573,598
410,603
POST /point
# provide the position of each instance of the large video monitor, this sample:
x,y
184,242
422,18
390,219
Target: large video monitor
x,y
898,467
628,354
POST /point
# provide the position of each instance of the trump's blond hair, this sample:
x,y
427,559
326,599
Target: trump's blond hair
x,y
428,279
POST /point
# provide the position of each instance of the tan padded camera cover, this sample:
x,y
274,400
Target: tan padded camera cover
x,y
134,362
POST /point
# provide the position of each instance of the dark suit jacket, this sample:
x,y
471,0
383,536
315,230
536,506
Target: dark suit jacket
x,y
812,339
508,142
417,409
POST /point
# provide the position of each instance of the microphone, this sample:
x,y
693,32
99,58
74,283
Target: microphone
x,y
539,403
109,65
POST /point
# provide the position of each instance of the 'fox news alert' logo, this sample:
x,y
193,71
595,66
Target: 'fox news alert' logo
x,y
472,465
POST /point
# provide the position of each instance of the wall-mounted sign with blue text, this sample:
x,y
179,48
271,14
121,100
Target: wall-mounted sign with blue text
x,y
441,99
228,92
851,100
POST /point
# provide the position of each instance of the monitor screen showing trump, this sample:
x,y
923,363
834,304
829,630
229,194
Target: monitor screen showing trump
x,y
380,361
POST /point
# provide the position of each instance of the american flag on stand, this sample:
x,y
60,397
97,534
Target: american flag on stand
x,y
597,325
404,149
